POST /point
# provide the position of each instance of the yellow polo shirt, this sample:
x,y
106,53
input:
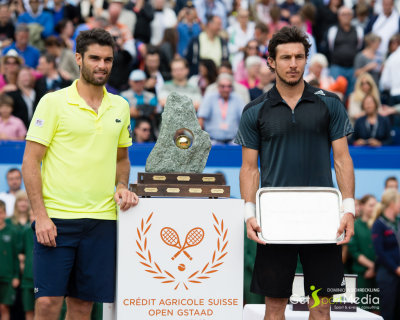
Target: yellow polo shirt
x,y
79,167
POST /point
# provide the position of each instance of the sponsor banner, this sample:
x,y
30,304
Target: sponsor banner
x,y
180,259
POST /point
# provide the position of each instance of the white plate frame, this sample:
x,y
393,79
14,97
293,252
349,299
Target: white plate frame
x,y
301,208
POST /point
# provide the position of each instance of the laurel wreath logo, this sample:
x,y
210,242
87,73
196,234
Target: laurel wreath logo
x,y
212,266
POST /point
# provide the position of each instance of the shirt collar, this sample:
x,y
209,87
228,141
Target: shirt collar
x,y
73,98
276,99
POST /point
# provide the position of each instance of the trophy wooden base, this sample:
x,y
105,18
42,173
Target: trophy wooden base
x,y
181,185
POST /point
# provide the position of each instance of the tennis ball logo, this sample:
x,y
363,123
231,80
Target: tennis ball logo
x,y
314,295
181,267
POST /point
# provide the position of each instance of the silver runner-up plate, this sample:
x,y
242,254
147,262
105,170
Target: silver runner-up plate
x,y
295,215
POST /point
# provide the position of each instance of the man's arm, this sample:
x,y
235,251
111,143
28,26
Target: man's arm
x,y
124,198
46,231
249,182
345,179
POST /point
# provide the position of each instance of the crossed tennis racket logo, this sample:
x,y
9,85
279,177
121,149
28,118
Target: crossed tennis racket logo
x,y
171,238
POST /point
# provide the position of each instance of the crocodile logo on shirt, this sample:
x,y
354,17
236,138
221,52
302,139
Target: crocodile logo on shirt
x,y
117,120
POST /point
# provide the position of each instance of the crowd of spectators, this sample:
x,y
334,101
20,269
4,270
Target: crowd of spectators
x,y
183,46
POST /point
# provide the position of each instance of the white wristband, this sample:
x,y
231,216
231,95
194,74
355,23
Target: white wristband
x,y
249,210
349,206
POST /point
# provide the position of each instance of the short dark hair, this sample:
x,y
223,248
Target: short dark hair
x,y
141,120
287,35
22,27
391,178
226,64
50,59
262,27
210,18
365,198
179,59
377,104
6,100
13,170
53,41
152,50
93,36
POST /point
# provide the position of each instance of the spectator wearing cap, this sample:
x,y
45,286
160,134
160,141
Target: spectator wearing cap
x,y
179,84
208,45
7,28
188,27
35,14
11,127
10,65
65,58
219,113
29,53
142,103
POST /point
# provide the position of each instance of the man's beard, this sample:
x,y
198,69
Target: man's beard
x,y
290,83
88,76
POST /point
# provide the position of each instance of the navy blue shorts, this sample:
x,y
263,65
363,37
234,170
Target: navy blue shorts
x,y
82,265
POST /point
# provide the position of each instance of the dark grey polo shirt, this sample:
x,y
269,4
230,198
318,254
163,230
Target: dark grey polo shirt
x,y
294,146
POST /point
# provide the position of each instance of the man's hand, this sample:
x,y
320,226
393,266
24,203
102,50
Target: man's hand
x,y
252,229
369,274
374,142
346,224
398,271
46,231
15,283
125,198
360,142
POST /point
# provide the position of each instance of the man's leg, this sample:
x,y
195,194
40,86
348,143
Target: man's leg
x,y
323,276
275,308
4,312
320,312
48,308
78,309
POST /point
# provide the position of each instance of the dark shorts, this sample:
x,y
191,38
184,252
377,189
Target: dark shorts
x,y
28,299
275,266
82,265
7,293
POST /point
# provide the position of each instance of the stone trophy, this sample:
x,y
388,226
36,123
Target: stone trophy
x,y
175,165
177,244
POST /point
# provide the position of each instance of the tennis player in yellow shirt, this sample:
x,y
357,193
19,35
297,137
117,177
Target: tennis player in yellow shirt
x,y
76,172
